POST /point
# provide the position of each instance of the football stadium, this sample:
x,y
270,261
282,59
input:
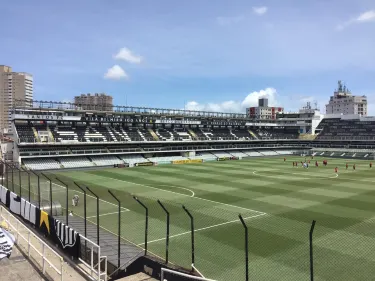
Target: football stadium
x,y
196,195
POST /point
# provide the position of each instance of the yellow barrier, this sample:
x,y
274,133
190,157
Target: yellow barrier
x,y
187,161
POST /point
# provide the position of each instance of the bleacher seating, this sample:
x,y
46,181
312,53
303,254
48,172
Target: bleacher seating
x,y
238,153
76,162
25,133
252,153
242,134
268,152
133,159
277,133
222,154
207,156
106,160
41,164
166,159
343,129
63,133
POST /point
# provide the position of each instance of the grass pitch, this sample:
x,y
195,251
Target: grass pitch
x,y
277,200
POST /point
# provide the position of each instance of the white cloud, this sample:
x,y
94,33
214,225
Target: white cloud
x,y
225,21
365,17
115,73
236,106
260,10
126,55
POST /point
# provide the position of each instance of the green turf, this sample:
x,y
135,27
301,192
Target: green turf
x,y
278,200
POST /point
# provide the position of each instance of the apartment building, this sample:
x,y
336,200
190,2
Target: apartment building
x,y
263,111
343,102
13,86
99,101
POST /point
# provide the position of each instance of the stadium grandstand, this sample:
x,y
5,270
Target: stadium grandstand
x,y
52,135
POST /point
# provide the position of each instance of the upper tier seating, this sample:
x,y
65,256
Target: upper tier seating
x,y
242,134
95,133
63,133
25,133
277,133
338,129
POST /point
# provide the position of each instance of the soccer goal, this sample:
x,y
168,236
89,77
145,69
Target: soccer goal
x,y
170,275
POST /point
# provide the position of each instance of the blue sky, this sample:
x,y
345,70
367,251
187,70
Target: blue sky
x,y
197,54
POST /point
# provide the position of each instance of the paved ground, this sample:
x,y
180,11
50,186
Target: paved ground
x,y
17,267
138,277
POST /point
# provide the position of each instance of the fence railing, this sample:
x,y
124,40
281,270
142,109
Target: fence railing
x,y
94,269
38,189
44,253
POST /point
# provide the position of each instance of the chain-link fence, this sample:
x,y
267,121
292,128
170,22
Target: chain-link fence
x,y
183,229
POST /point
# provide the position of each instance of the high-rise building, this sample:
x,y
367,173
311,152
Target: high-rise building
x,y
343,102
94,102
263,111
13,86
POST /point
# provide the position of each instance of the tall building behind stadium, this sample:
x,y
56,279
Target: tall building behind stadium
x,y
343,102
95,101
13,85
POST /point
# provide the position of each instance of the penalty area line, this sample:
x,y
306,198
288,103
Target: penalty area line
x,y
181,194
88,195
203,228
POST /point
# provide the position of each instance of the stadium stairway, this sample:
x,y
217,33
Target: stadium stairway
x,y
108,242
194,136
153,134
36,135
253,134
50,135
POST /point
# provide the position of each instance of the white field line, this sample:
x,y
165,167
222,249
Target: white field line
x,y
76,191
106,214
192,192
199,198
300,175
203,228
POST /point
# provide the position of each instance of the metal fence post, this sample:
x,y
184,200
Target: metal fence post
x,y
7,175
67,199
146,227
2,172
12,178
167,237
29,184
192,237
50,192
38,176
311,250
84,213
20,183
97,213
119,230
246,248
